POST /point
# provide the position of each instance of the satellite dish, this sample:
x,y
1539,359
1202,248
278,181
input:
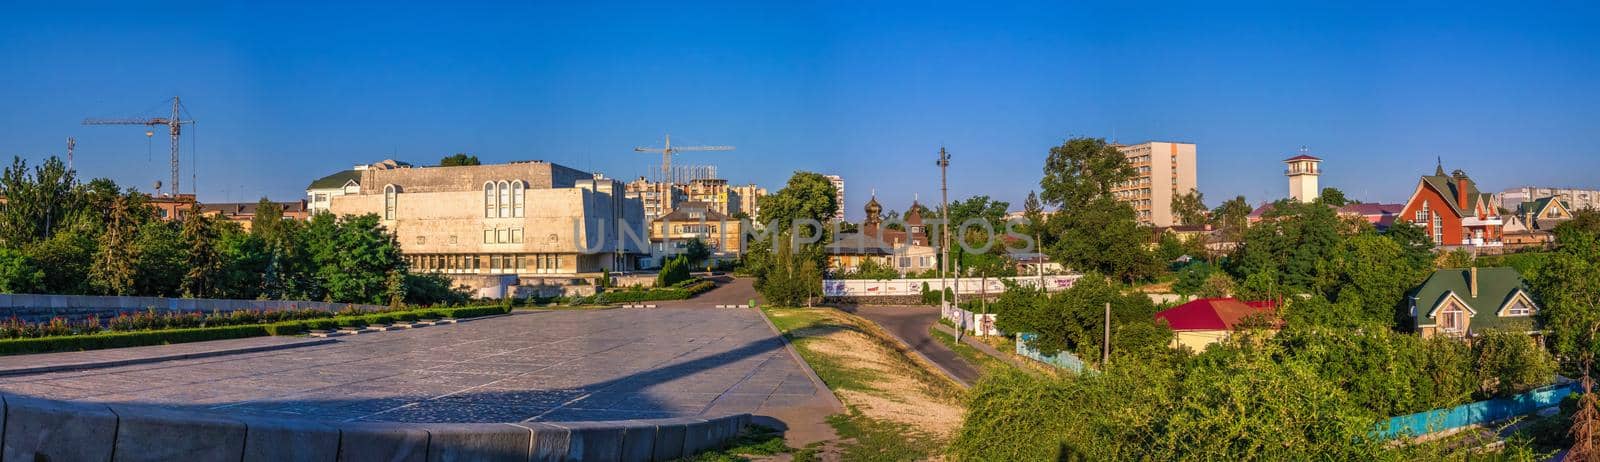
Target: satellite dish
x,y
158,186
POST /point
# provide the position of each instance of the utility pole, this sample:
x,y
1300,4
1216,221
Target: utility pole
x,y
1105,354
944,233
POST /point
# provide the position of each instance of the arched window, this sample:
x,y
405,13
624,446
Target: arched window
x,y
389,194
505,199
488,199
517,190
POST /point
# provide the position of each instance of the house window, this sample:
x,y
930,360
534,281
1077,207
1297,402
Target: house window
x,y
1438,228
488,236
1452,318
422,240
488,200
905,262
389,194
516,235
502,236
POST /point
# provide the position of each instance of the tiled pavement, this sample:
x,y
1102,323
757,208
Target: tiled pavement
x,y
542,366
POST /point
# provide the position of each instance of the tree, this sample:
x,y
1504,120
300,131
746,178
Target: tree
x,y
1373,273
68,255
1189,208
1413,241
1232,218
459,159
360,260
674,271
696,251
783,264
1102,236
1295,244
1033,211
1509,363
37,205
1082,169
204,263
1074,319
18,273
115,271
161,254
1568,290
1334,197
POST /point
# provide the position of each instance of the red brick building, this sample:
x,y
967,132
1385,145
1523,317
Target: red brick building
x,y
1453,212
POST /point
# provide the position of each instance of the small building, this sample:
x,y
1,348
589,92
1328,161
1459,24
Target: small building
x,y
1381,216
1453,212
1543,214
907,251
320,193
244,213
670,234
172,207
1205,321
1460,302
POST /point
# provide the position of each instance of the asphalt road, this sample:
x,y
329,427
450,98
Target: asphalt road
x,y
910,324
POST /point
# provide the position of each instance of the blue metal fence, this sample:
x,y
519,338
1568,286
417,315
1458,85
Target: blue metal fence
x,y
1480,412
1064,360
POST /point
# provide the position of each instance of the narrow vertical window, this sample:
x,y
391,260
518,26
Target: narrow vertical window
x,y
505,199
517,190
488,199
388,202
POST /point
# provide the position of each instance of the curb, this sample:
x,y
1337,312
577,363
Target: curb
x,y
156,359
815,380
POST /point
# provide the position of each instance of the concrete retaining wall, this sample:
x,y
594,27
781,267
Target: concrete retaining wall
x,y
36,308
38,429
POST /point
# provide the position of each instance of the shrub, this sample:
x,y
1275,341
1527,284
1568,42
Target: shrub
x,y
126,339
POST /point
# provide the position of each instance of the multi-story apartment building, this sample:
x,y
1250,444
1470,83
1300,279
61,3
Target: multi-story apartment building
x,y
531,219
1576,199
658,198
712,192
1163,170
746,199
838,187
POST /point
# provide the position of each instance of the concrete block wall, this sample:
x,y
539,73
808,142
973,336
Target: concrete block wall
x,y
39,429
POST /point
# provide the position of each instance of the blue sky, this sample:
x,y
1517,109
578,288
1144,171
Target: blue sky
x,y
288,93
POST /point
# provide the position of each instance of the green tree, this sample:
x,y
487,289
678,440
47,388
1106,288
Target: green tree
x,y
1334,197
1568,289
696,251
1232,218
1509,363
1189,208
362,255
245,259
1081,170
161,254
780,269
37,204
1074,319
459,159
68,255
1102,236
1374,274
18,273
204,264
673,271
1413,241
115,271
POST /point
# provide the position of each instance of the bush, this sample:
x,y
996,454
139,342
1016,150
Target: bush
x,y
126,339
673,272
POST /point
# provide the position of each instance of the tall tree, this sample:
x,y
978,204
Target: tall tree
x,y
1232,218
115,271
780,270
18,273
1102,236
204,264
1082,169
1334,197
1190,207
161,255
363,255
37,204
459,159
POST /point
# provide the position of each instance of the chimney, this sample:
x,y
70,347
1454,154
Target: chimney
x,y
1472,281
1461,189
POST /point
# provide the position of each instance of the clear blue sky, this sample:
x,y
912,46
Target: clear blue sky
x,y
286,94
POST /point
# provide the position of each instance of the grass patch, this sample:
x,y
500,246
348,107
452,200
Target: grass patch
x,y
985,363
754,440
869,439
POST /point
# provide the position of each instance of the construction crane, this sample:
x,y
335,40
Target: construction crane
x,y
174,127
668,150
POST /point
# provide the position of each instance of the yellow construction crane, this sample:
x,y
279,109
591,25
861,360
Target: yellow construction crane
x,y
174,127
668,150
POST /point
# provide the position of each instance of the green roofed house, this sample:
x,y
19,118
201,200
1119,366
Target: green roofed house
x,y
1460,302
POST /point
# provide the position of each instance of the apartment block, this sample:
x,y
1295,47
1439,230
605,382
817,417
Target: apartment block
x,y
1163,169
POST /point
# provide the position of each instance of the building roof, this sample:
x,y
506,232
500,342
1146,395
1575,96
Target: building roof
x,y
1496,287
1300,157
858,244
1447,187
249,208
1209,314
337,180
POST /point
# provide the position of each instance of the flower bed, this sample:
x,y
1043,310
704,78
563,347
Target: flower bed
x,y
676,292
105,338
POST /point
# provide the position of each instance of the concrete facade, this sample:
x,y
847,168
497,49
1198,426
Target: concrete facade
x,y
1303,172
529,219
1163,169
746,199
838,188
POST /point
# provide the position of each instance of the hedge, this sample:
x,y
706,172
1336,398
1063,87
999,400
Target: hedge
x,y
199,334
680,292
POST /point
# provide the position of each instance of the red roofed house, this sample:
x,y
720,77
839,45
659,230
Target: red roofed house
x,y
1453,212
1209,320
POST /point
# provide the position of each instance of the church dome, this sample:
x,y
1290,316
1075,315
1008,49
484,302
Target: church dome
x,y
873,209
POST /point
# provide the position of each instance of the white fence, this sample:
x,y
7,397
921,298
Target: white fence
x,y
964,286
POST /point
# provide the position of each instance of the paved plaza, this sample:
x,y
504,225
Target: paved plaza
x,y
529,366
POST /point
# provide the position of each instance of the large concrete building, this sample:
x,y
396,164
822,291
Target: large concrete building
x,y
746,199
530,219
1576,199
1163,170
